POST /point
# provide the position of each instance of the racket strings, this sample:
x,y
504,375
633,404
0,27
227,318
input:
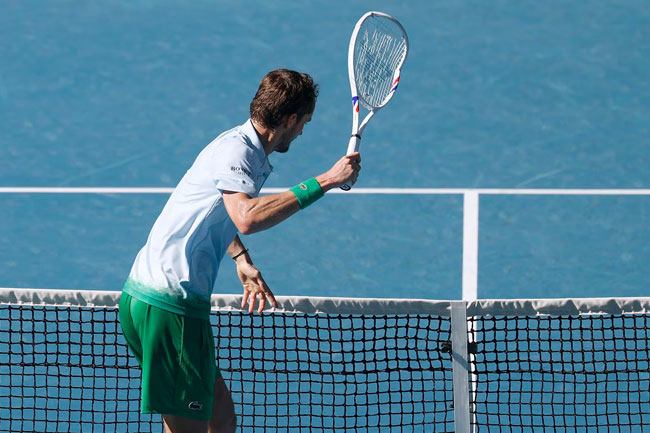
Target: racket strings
x,y
380,49
378,60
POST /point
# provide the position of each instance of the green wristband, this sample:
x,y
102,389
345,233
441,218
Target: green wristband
x,y
307,192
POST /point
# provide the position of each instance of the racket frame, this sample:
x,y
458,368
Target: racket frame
x,y
357,129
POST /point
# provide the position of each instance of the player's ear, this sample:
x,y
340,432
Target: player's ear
x,y
291,120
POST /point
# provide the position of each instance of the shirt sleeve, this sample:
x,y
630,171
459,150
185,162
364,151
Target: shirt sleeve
x,y
234,167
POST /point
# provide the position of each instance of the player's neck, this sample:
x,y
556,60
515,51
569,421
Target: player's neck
x,y
268,137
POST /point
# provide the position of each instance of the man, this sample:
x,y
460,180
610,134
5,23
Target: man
x,y
165,304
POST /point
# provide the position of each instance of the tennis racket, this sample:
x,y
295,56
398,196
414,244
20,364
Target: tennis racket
x,y
377,51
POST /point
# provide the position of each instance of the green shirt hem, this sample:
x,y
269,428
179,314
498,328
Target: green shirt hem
x,y
182,307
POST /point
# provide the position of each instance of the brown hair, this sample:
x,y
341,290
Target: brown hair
x,y
283,92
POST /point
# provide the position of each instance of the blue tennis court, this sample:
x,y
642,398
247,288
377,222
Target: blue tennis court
x,y
499,95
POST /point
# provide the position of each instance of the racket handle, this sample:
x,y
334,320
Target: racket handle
x,y
353,146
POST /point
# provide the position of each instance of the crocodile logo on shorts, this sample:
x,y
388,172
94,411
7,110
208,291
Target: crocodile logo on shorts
x,y
195,405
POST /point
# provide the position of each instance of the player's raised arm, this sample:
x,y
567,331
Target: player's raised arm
x,y
252,215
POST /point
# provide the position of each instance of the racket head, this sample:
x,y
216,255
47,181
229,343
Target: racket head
x,y
378,49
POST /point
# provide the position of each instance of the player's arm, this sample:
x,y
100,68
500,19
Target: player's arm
x,y
255,288
252,215
236,249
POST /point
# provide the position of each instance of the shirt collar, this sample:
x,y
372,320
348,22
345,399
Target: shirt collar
x,y
248,130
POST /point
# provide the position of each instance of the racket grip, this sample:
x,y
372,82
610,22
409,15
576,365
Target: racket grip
x,y
353,146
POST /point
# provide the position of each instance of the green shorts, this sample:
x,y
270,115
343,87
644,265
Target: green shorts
x,y
177,357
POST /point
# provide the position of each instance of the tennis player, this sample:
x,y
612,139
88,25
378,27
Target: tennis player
x,y
165,303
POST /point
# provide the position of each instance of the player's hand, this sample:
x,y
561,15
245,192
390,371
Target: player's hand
x,y
255,288
344,171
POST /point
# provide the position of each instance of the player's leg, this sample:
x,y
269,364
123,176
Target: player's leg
x,y
178,366
178,424
223,415
223,419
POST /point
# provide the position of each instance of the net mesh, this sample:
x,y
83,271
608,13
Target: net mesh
x,y
576,373
354,368
67,369
379,50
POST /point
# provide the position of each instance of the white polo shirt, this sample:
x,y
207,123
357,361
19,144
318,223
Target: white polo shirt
x,y
177,268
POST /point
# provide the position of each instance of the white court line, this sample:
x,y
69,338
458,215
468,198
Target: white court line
x,y
410,191
83,190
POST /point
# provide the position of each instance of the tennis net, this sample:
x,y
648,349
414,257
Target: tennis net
x,y
354,365
579,365
315,365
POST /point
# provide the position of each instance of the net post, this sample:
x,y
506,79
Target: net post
x,y
470,245
460,367
470,287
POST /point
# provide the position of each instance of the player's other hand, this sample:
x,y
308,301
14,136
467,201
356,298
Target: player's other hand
x,y
255,288
344,171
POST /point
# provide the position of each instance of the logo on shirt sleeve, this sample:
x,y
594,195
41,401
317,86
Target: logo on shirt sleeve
x,y
241,171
